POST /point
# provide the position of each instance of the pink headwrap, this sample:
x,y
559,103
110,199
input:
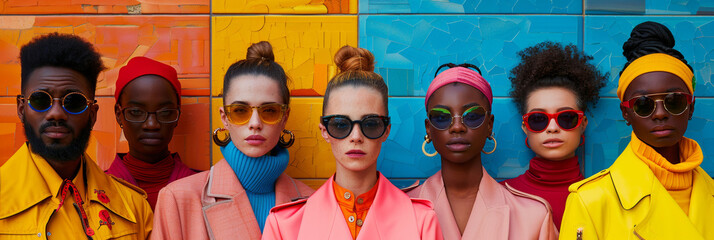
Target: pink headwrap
x,y
460,75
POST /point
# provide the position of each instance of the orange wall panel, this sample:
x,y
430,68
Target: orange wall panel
x,y
103,6
181,41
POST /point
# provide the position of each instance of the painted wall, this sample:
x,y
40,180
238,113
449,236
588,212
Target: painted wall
x,y
409,38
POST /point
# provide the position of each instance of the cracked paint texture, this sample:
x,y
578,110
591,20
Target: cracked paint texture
x,y
471,6
285,6
650,7
103,6
303,45
409,49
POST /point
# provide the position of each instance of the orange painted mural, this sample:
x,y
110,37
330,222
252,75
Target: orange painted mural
x,y
103,6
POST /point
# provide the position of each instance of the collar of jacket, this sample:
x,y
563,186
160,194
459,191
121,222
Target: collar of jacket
x,y
23,171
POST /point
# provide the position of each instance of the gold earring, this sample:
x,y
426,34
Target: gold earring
x,y
290,142
423,147
218,140
495,144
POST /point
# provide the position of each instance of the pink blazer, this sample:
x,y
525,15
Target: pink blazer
x,y
498,213
214,205
392,216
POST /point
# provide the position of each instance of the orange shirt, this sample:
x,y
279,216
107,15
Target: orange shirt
x,y
354,208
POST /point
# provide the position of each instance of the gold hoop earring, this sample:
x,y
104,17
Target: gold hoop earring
x,y
423,147
290,142
217,140
495,144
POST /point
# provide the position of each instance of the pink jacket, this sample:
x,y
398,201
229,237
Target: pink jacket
x,y
392,216
214,205
498,213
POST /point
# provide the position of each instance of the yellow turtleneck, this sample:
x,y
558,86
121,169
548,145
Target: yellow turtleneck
x,y
676,178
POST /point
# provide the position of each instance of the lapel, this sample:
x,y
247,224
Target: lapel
x,y
102,189
226,209
664,218
17,175
322,217
391,215
490,214
489,217
701,205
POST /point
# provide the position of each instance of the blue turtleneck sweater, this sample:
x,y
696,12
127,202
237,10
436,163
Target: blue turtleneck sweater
x,y
258,177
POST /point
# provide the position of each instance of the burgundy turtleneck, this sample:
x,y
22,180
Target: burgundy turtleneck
x,y
549,180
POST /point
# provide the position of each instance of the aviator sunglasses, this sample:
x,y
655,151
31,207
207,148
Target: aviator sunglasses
x,y
675,103
566,120
73,102
442,118
240,114
340,126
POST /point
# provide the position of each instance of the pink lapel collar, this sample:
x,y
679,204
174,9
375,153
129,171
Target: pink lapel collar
x,y
391,215
226,208
323,218
489,214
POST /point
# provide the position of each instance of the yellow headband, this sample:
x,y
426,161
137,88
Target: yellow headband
x,y
656,62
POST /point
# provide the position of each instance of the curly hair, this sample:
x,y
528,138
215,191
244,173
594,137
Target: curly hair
x,y
550,64
61,50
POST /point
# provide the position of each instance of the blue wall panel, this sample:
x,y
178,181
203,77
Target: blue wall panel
x,y
668,7
408,49
471,6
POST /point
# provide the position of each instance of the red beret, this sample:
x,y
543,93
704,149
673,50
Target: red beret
x,y
140,66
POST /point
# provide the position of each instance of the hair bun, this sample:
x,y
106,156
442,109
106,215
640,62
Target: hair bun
x,y
647,38
261,51
354,59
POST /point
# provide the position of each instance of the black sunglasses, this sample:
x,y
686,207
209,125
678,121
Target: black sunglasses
x,y
73,102
340,126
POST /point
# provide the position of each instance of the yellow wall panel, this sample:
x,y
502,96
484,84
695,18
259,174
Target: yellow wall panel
x,y
285,6
310,156
303,45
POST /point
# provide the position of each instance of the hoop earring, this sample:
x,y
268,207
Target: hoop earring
x,y
495,144
217,140
290,142
423,147
582,141
529,146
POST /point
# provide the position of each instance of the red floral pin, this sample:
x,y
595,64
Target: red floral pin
x,y
106,219
102,196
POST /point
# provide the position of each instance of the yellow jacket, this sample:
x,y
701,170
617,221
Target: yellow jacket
x,y
29,201
627,201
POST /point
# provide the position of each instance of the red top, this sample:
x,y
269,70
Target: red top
x,y
549,180
149,176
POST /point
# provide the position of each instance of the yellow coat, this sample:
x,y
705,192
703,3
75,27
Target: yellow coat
x,y
29,199
627,201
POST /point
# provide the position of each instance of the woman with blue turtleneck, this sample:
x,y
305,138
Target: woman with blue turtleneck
x,y
233,199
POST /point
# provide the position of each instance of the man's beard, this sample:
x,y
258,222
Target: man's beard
x,y
54,151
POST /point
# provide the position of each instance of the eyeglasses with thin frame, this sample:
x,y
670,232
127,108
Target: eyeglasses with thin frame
x,y
644,106
340,126
240,114
139,115
72,103
567,120
442,118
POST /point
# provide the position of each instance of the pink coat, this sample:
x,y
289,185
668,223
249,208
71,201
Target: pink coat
x,y
392,216
498,213
214,205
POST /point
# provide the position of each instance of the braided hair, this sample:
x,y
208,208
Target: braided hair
x,y
647,38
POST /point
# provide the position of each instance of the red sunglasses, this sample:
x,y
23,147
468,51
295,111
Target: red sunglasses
x,y
566,120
